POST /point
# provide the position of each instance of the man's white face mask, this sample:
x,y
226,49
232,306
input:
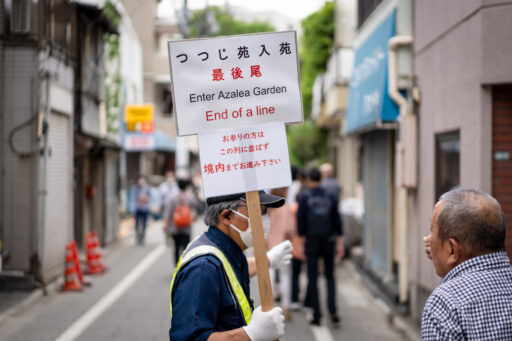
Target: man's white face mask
x,y
247,234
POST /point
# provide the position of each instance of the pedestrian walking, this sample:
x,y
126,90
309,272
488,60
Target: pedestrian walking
x,y
319,224
167,190
466,246
179,214
139,204
329,183
210,294
281,229
298,256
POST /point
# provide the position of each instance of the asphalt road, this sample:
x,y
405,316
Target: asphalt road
x,y
131,302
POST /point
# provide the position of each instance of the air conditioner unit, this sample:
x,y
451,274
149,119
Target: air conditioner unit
x,y
20,16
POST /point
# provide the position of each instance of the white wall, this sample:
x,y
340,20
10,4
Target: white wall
x,y
131,60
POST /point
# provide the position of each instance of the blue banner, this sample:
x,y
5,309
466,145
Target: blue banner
x,y
369,102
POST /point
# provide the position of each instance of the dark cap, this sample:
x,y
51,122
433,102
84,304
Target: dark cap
x,y
268,200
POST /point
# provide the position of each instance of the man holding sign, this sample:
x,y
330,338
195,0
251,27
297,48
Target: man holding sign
x,y
210,295
236,93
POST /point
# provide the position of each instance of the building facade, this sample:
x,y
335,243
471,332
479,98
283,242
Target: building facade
x,y
378,106
330,99
432,111
464,115
97,145
154,32
38,60
59,148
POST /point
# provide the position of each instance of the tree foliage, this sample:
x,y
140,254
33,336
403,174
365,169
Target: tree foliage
x,y
216,21
110,11
316,43
112,73
308,143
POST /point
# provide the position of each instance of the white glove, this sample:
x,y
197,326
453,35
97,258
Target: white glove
x,y
280,254
265,326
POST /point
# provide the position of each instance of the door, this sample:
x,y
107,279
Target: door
x,y
502,154
59,197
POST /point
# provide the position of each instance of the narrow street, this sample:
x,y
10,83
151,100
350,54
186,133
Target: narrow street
x,y
130,302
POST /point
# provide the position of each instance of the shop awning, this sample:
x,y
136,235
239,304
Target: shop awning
x,y
369,104
163,142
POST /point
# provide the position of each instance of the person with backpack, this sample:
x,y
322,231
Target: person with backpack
x,y
319,225
180,213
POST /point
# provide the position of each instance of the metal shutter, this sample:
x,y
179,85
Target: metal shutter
x,y
59,198
111,196
377,182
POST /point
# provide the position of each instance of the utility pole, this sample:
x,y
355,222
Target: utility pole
x,y
182,159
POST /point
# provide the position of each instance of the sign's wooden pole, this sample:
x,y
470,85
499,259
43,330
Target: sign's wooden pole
x,y
260,250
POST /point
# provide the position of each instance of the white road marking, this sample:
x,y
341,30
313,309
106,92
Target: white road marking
x,y
322,333
111,297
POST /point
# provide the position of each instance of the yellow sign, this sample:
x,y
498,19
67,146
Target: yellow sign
x,y
138,113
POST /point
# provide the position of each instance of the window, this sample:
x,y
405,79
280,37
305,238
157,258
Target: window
x,y
447,162
166,101
364,9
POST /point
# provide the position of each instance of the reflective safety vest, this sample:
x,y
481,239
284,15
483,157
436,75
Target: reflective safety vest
x,y
234,286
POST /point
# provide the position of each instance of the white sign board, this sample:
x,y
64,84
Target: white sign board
x,y
235,81
244,159
139,142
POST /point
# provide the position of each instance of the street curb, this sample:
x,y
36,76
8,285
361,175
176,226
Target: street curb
x,y
401,324
34,296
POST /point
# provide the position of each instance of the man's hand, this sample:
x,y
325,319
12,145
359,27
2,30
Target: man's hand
x,y
280,254
340,248
265,326
427,246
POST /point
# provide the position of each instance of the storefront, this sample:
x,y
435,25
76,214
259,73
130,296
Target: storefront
x,y
371,116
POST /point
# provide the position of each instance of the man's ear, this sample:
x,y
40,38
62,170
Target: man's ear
x,y
224,217
457,253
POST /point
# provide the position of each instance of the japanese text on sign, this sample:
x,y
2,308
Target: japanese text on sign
x,y
244,159
235,81
139,142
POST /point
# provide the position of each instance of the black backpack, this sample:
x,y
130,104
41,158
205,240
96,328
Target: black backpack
x,y
319,215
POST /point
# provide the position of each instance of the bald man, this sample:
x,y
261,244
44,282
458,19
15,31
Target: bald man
x,y
466,246
329,183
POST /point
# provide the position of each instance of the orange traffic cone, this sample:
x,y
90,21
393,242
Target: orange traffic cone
x,y
72,282
77,262
98,251
94,265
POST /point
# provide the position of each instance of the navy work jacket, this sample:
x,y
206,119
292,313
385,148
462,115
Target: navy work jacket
x,y
202,302
302,212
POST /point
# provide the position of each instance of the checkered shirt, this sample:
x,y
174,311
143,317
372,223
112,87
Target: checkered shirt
x,y
473,302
